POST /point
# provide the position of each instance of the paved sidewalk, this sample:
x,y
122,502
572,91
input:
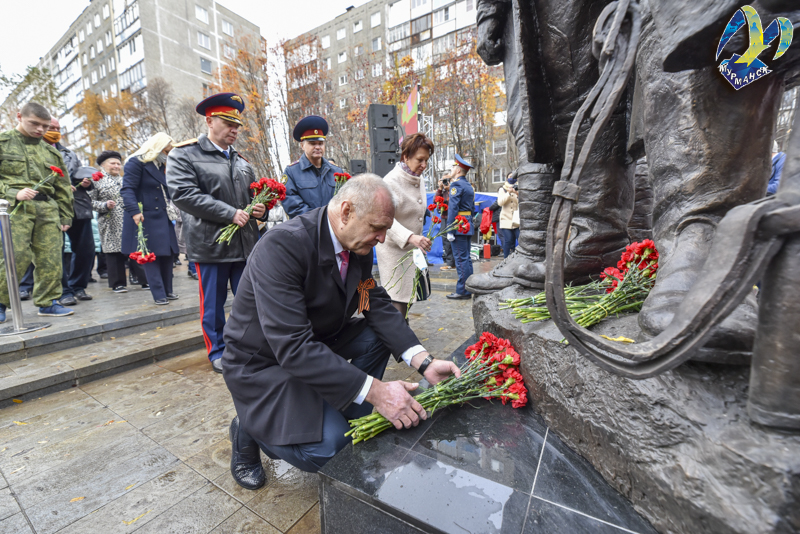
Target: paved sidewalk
x,y
148,451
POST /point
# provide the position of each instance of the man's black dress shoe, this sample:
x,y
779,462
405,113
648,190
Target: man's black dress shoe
x,y
172,296
217,365
24,295
69,300
161,302
81,295
246,467
459,296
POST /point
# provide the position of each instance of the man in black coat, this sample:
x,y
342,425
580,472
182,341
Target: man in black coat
x,y
210,183
292,331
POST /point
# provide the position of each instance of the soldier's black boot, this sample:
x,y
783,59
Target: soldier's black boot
x,y
535,199
246,467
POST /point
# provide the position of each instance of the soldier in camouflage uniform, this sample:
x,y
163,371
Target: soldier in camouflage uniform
x,y
37,226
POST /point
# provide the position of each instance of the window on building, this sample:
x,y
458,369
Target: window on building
x,y
104,93
86,83
201,13
376,44
88,28
377,70
342,103
204,40
205,65
358,26
360,74
106,11
342,57
470,5
343,79
84,61
398,32
325,42
94,77
327,86
113,89
340,34
421,24
97,20
229,52
375,19
418,3
99,46
500,147
112,64
91,52
361,98
358,50
443,15
326,63
108,38
133,79
227,28
81,36
102,71
206,90
498,175
132,46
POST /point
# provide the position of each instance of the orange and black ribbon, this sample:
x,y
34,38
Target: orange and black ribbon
x,y
363,290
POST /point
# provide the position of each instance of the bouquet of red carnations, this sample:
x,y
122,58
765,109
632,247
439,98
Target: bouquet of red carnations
x,y
460,224
97,176
341,179
142,255
619,289
491,372
266,191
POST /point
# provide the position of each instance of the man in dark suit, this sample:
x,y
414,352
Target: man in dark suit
x,y
292,329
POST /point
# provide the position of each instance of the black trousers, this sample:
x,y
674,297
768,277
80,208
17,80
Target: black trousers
x,y
78,270
159,276
115,263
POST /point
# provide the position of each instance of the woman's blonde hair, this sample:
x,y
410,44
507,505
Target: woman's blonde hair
x,y
152,148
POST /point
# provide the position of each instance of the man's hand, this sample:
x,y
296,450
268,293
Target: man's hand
x,y
421,242
259,210
393,401
240,218
26,194
437,370
111,204
138,218
64,227
86,182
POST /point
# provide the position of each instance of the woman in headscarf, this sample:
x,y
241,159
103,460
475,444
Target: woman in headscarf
x,y
144,184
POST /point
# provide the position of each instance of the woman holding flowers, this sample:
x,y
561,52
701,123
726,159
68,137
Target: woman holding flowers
x,y
144,196
408,188
107,202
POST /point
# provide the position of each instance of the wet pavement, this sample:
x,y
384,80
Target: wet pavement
x,y
148,451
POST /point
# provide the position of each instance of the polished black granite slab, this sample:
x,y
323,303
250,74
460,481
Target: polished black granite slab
x,y
481,469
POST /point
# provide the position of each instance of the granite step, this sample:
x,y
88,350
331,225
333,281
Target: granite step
x,y
35,376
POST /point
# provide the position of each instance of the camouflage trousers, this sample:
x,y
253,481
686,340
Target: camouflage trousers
x,y
37,237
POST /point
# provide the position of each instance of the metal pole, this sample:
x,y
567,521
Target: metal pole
x,y
11,278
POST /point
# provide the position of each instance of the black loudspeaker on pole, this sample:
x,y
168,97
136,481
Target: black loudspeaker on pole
x,y
384,138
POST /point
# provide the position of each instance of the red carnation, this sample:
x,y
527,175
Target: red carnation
x,y
56,170
463,224
97,176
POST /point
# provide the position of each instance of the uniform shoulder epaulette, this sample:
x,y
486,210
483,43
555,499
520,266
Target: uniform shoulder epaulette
x,y
244,158
185,143
293,163
53,149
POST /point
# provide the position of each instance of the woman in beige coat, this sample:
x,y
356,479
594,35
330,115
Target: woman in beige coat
x,y
405,181
509,224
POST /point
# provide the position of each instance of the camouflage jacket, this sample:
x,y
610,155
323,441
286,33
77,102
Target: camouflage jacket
x,y
24,162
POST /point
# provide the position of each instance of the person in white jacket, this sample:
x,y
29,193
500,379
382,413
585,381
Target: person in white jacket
x,y
508,199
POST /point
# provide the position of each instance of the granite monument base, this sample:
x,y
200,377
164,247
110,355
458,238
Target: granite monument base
x,y
680,446
485,469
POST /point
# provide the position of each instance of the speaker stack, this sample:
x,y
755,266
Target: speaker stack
x,y
384,146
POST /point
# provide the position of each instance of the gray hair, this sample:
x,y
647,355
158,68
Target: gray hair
x,y
361,191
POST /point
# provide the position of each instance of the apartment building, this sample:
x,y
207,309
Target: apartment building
x,y
117,45
340,64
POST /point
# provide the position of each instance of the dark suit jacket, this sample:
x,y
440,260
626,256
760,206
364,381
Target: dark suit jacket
x,y
290,309
142,182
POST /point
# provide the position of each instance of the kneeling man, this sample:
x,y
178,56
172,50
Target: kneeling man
x,y
292,331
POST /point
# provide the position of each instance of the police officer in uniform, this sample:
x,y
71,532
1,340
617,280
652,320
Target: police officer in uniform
x,y
210,183
462,202
309,181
